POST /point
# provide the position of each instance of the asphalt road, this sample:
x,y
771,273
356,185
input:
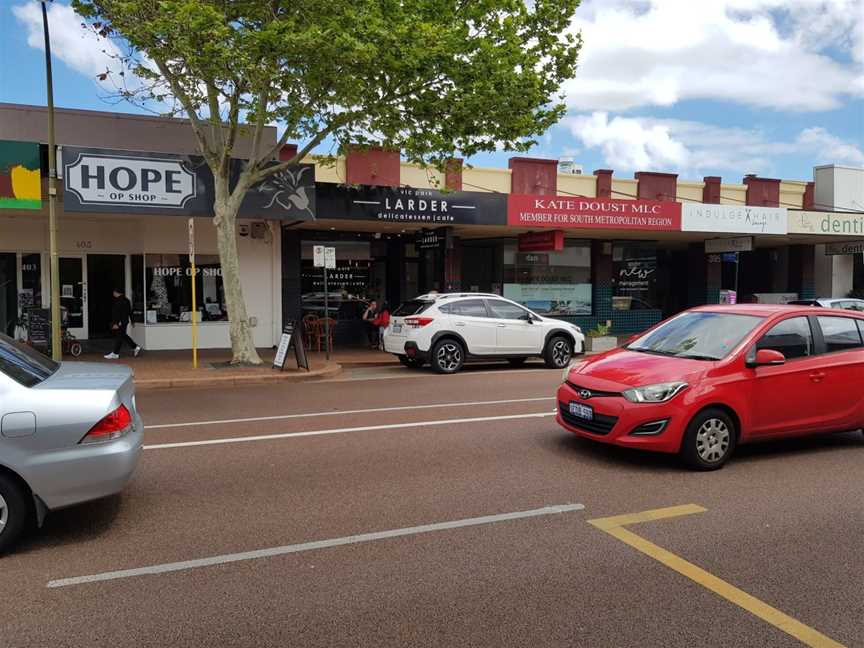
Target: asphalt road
x,y
783,522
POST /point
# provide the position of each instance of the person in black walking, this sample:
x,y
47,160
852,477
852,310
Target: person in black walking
x,y
121,310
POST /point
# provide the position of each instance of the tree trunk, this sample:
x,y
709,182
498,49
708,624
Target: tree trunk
x,y
242,344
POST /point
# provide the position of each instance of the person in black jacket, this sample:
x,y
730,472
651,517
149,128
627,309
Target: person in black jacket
x,y
121,311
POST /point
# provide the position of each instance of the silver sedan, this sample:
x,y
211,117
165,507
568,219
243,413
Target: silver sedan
x,y
69,433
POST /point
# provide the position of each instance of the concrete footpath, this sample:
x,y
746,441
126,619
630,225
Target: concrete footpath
x,y
173,369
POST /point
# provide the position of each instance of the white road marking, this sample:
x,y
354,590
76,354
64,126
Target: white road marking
x,y
310,546
284,417
352,374
365,428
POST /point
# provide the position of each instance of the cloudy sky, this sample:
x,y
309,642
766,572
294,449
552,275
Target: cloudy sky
x,y
707,87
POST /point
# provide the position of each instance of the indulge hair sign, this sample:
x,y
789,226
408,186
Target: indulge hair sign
x,y
148,181
592,213
734,219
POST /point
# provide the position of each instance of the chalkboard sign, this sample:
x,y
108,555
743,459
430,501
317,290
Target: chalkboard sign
x,y
288,340
300,352
39,327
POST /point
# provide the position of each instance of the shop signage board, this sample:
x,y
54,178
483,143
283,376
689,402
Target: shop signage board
x,y
827,223
733,219
408,205
318,256
738,244
542,241
20,177
592,213
837,249
133,182
431,239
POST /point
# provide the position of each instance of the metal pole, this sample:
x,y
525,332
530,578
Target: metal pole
x,y
194,294
326,318
56,346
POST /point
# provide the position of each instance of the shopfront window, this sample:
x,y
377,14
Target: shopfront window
x,y
168,280
30,294
550,283
634,276
350,286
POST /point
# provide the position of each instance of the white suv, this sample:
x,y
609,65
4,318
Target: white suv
x,y
446,330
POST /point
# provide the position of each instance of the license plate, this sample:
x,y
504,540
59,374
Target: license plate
x,y
397,328
582,411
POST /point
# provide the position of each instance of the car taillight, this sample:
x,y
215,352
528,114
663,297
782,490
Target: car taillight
x,y
114,425
418,322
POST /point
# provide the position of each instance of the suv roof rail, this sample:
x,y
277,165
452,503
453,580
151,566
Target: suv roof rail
x,y
466,294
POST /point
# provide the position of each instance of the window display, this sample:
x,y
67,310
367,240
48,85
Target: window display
x,y
168,281
550,283
634,276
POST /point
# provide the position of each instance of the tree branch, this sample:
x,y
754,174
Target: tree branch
x,y
260,174
194,119
233,125
215,118
259,128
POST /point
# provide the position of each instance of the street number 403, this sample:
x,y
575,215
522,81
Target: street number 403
x,y
84,245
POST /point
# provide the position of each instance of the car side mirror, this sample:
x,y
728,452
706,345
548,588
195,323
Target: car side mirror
x,y
528,318
766,358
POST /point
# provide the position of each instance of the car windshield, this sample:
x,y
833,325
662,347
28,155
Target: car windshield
x,y
412,307
24,364
700,336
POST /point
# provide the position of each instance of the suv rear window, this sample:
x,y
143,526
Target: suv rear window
x,y
23,364
413,307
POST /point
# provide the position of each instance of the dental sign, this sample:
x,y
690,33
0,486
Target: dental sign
x,y
733,219
141,181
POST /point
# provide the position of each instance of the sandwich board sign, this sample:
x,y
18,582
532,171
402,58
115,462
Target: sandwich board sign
x,y
291,338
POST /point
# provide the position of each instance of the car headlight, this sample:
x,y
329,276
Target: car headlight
x,y
578,329
654,393
575,366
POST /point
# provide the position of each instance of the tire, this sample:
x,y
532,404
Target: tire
x,y
448,356
709,441
516,362
75,349
16,509
558,352
411,363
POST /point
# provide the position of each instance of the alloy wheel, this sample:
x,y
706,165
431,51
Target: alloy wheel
x,y
449,357
712,440
4,513
561,353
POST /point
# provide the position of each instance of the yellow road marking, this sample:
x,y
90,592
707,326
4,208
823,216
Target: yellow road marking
x,y
614,526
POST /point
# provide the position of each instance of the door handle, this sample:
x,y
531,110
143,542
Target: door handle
x,y
460,323
817,376
502,326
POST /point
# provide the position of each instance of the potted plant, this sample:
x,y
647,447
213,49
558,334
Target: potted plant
x,y
598,339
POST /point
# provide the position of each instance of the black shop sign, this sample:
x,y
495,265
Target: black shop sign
x,y
408,205
132,182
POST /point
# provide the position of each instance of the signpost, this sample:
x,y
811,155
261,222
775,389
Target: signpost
x,y
325,257
194,296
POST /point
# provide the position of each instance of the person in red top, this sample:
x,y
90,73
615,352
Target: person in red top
x,y
382,321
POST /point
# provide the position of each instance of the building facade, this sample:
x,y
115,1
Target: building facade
x,y
593,249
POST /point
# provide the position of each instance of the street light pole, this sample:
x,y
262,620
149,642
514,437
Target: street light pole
x,y
56,344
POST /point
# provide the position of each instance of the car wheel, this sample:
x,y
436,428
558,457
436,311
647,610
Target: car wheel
x,y
559,352
516,362
411,363
709,441
448,356
15,511
75,349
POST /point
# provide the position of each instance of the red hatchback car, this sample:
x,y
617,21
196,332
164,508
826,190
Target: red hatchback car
x,y
712,377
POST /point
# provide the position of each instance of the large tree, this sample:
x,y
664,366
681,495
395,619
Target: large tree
x,y
434,78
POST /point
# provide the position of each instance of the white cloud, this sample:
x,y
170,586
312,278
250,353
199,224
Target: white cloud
x,y
829,148
764,53
691,148
79,48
